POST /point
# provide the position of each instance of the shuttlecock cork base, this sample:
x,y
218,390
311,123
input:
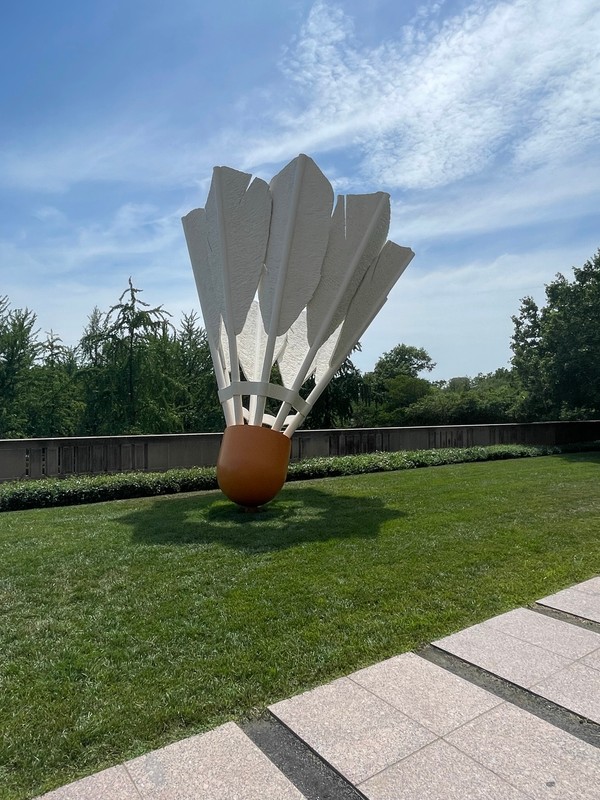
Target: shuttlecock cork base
x,y
252,464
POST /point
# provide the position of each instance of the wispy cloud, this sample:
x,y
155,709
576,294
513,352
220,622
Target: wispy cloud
x,y
507,82
499,202
72,266
508,85
135,233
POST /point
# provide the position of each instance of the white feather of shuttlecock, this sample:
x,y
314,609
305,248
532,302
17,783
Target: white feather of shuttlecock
x,y
285,278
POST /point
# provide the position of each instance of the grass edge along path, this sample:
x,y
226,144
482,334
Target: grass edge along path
x,y
125,626
54,492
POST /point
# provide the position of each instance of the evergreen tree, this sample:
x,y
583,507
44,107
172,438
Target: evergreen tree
x,y
18,350
54,405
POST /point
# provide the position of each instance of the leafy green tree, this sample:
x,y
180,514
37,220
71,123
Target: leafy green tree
x,y
93,374
459,384
393,385
174,389
556,348
403,359
490,398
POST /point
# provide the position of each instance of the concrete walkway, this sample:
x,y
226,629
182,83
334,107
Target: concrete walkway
x,y
505,710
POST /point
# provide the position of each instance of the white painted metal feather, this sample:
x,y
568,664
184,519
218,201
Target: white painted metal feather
x,y
359,228
364,307
302,203
237,219
370,297
282,279
252,344
209,285
209,288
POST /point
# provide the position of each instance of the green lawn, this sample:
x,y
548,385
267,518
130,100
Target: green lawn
x,y
127,625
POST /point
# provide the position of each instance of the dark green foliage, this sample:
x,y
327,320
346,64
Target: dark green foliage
x,y
393,386
137,352
557,348
132,372
492,398
335,407
18,350
50,492
53,403
396,396
403,359
412,459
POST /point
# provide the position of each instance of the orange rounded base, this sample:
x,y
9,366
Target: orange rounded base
x,y
252,464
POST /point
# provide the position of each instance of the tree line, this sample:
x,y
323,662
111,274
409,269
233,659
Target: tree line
x,y
134,372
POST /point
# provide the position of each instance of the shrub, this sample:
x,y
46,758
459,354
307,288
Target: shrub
x,y
45,492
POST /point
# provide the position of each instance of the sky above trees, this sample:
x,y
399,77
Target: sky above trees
x,y
482,119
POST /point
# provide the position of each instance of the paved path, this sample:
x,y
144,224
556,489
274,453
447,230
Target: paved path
x,y
505,710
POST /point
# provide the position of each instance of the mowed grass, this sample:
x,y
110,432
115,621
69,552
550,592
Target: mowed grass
x,y
127,625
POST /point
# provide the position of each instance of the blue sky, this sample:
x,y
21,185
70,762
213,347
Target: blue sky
x,y
482,120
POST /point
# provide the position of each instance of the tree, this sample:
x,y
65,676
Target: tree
x,y
198,400
18,350
93,373
335,407
403,359
484,399
394,385
54,405
557,347
131,324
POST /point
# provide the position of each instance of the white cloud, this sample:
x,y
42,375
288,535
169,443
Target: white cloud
x,y
512,83
124,153
74,266
500,202
513,77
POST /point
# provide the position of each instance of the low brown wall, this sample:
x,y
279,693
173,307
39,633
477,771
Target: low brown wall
x,y
94,455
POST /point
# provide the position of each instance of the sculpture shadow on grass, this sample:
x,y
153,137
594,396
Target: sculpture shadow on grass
x,y
298,515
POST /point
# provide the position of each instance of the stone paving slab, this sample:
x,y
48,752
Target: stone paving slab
x,y
518,661
535,757
551,634
582,600
428,694
222,764
577,687
439,772
591,586
113,783
353,730
407,728
501,752
530,660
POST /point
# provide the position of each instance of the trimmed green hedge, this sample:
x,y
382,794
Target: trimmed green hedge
x,y
45,492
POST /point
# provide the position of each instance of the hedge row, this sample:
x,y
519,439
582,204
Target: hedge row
x,y
46,492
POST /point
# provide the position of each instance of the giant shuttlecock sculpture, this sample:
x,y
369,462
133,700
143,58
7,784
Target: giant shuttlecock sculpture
x,y
284,277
